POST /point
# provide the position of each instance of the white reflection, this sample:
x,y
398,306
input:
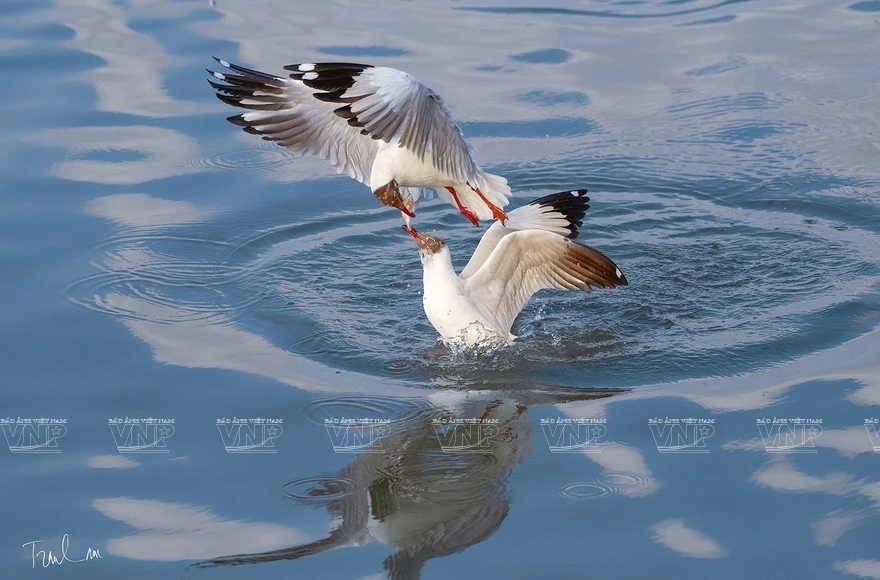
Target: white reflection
x,y
170,532
780,474
616,458
111,462
828,530
762,388
848,442
868,394
131,79
140,209
11,43
862,568
678,536
216,344
162,151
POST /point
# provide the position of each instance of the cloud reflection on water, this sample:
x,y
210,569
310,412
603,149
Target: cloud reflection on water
x,y
131,81
676,535
169,531
163,152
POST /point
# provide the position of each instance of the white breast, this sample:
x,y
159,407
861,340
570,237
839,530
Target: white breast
x,y
455,315
400,164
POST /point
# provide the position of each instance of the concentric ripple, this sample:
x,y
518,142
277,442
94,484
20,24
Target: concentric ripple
x,y
707,280
714,288
605,485
400,412
162,278
585,490
264,159
319,489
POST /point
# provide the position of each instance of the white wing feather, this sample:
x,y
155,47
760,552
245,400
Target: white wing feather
x,y
524,262
560,213
286,111
394,106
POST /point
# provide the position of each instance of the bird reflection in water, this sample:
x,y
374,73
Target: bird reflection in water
x,y
421,501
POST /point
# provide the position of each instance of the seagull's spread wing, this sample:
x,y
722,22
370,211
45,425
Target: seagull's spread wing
x,y
341,111
294,114
561,213
393,106
526,261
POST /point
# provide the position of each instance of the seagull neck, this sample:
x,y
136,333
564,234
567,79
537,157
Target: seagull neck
x,y
438,268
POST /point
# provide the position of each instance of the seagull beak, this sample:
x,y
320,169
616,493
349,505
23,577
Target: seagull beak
x,y
407,212
416,236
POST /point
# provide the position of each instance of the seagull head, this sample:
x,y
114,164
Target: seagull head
x,y
389,194
428,245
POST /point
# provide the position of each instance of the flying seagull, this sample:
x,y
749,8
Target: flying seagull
x,y
533,249
378,125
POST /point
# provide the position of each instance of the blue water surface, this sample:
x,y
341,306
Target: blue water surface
x,y
215,361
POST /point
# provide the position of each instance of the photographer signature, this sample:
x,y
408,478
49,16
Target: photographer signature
x,y
49,559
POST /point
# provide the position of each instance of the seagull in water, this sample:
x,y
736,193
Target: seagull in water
x,y
379,125
532,250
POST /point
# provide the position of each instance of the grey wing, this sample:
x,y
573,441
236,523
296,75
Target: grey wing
x,y
393,106
526,261
294,114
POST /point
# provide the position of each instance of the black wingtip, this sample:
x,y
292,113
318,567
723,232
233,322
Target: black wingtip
x,y
571,204
570,196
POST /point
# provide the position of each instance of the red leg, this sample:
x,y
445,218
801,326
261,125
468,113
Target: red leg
x,y
464,211
496,211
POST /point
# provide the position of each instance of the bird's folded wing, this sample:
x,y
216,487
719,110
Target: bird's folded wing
x,y
560,212
526,261
293,114
393,106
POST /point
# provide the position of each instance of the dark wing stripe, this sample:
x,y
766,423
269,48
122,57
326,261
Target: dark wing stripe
x,y
345,113
595,267
242,87
249,74
326,66
329,85
571,204
328,77
245,86
336,97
